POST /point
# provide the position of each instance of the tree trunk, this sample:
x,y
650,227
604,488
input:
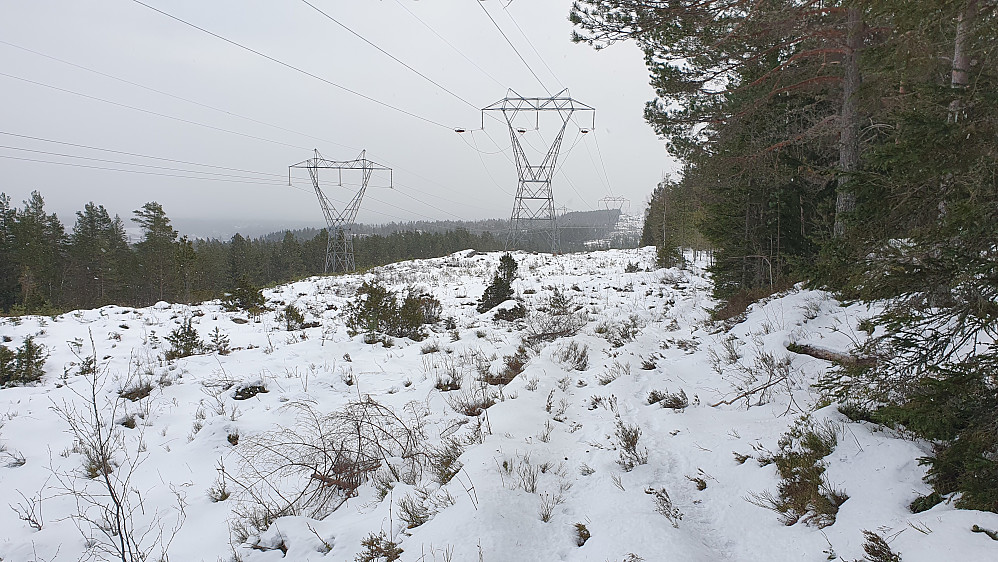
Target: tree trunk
x,y
961,60
845,202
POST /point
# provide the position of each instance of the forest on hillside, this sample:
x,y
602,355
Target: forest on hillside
x,y
854,146
45,267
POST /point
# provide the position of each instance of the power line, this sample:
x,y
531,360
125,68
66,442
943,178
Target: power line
x,y
602,163
429,205
75,165
106,161
449,44
149,111
169,95
389,55
503,33
428,194
139,155
161,92
529,42
292,67
487,170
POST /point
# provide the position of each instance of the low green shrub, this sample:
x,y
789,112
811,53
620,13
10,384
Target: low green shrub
x,y
245,297
500,289
23,365
184,341
803,493
377,311
293,318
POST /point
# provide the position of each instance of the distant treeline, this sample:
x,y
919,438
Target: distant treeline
x,y
44,267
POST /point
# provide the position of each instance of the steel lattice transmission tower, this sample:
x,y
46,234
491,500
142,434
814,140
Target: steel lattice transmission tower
x,y
339,245
533,208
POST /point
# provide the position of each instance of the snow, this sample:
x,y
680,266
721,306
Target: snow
x,y
550,422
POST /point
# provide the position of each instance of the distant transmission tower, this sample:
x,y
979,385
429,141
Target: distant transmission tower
x,y
533,208
615,204
339,245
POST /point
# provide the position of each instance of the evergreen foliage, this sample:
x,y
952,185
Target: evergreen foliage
x,y
245,297
376,311
293,318
184,341
886,192
23,365
500,289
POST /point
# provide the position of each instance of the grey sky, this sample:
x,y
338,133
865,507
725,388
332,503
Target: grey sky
x,y
439,174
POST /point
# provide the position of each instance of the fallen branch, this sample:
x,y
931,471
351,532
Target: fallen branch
x,y
833,356
750,392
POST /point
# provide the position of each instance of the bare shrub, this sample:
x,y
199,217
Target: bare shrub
x,y
664,505
312,467
444,463
573,356
615,371
630,455
558,320
674,401
513,365
471,401
548,503
877,549
30,510
445,371
582,534
761,380
110,515
412,511
619,333
137,389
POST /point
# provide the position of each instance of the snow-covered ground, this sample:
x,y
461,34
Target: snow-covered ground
x,y
545,457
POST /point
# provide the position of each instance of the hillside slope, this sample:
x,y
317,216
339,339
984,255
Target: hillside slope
x,y
511,483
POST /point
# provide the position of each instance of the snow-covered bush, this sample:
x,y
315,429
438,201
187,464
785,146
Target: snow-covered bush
x,y
312,467
573,356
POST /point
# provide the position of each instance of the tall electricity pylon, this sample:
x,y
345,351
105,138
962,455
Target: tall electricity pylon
x,y
339,245
533,208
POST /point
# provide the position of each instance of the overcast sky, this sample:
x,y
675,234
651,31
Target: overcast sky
x,y
264,116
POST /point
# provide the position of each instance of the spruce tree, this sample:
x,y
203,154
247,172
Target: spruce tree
x,y
155,252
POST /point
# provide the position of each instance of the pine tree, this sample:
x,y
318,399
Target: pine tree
x,y
8,265
155,252
98,255
39,244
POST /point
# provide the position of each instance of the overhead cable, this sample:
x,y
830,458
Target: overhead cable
x,y
503,33
149,111
169,95
137,155
529,42
449,44
76,165
292,67
389,55
107,161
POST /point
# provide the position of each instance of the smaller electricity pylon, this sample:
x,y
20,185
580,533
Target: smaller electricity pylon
x,y
339,244
533,208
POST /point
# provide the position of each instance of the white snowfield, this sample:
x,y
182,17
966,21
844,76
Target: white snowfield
x,y
544,458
